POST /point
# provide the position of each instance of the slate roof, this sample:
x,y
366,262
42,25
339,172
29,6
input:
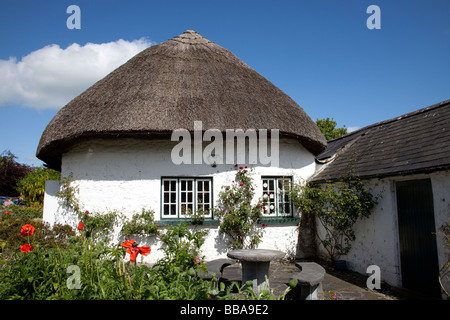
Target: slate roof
x,y
416,142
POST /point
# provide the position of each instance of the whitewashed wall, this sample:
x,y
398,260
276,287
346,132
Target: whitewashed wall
x,y
125,175
377,240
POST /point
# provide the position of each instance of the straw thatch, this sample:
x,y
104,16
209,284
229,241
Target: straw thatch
x,y
169,86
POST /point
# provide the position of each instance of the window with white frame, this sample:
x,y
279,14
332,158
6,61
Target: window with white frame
x,y
276,197
180,195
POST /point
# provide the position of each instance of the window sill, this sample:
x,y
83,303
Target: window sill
x,y
279,220
214,222
174,222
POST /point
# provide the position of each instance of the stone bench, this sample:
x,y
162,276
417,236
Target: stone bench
x,y
216,267
309,279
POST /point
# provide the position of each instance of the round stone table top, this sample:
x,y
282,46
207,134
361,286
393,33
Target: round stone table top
x,y
256,255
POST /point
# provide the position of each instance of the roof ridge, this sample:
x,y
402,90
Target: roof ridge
x,y
191,37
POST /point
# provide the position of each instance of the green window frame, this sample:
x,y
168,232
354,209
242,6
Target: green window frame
x,y
276,197
180,194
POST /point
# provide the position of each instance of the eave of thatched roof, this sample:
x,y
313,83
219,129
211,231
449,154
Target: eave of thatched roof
x,y
171,85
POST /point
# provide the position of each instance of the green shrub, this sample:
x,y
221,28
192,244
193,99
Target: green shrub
x,y
143,224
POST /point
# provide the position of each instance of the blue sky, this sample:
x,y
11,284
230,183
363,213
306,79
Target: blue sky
x,y
320,53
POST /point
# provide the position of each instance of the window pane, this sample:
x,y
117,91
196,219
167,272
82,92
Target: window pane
x,y
185,194
275,196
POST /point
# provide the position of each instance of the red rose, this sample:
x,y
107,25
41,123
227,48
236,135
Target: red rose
x,y
241,168
80,226
241,184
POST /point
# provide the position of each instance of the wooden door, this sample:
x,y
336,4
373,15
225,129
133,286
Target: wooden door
x,y
418,252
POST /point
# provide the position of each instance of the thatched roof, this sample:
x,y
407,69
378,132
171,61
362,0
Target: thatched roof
x,y
169,86
417,142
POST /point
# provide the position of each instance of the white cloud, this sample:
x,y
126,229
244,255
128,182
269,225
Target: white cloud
x,y
50,77
351,129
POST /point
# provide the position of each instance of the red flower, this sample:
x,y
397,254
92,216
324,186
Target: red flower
x,y
80,226
6,212
27,230
26,248
134,250
241,184
87,212
241,168
264,225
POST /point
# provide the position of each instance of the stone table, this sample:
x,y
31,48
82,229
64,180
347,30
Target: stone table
x,y
255,265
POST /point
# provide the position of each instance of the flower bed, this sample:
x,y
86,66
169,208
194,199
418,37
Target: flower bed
x,y
43,264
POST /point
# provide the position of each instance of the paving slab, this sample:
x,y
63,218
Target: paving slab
x,y
280,273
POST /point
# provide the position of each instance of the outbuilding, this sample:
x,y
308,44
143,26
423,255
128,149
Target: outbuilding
x,y
406,160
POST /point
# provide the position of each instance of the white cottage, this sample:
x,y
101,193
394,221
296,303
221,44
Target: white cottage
x,y
407,161
120,140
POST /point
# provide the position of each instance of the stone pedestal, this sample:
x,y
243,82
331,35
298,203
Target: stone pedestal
x,y
255,265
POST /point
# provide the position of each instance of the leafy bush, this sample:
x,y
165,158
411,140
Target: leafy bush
x,y
143,224
32,186
337,206
45,235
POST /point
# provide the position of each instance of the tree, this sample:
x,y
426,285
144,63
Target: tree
x,y
329,130
32,186
10,173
